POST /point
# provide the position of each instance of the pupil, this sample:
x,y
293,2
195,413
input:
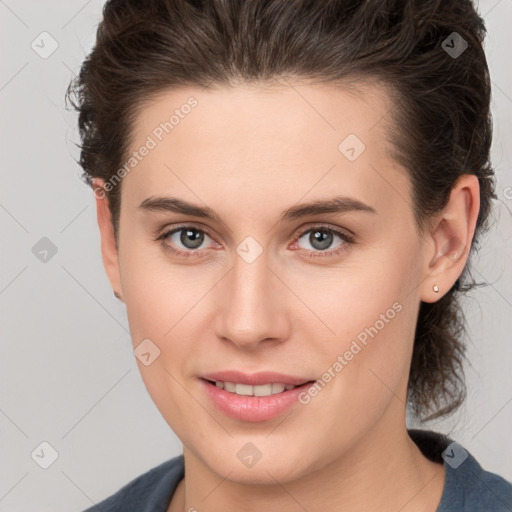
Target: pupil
x,y
321,238
191,236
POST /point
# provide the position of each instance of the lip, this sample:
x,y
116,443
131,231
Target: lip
x,y
255,379
252,408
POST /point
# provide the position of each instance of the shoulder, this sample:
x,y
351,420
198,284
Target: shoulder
x,y
468,487
474,487
151,491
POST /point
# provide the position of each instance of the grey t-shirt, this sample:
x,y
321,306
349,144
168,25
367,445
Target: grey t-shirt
x,y
467,487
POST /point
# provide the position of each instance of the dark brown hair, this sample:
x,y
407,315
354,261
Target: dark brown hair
x,y
441,125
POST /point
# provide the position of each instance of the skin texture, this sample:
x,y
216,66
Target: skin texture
x,y
249,153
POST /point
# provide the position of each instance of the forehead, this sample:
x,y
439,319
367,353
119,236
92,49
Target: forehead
x,y
310,111
251,138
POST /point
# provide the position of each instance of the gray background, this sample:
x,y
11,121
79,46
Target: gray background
x,y
68,376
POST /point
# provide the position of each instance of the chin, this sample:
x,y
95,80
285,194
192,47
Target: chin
x,y
242,462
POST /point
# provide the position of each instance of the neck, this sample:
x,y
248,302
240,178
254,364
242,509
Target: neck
x,y
373,475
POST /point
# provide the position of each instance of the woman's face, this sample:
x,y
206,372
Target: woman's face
x,y
255,290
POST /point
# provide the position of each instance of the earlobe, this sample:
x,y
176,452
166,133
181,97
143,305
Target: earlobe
x,y
109,250
450,238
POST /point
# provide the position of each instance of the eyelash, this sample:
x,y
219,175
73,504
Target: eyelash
x,y
347,239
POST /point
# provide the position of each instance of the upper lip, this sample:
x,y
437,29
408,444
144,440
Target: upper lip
x,y
255,379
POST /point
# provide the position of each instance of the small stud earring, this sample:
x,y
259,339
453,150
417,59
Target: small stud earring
x,y
436,288
117,295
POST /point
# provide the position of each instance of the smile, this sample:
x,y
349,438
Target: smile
x,y
248,390
253,403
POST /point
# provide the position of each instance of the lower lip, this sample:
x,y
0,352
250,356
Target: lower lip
x,y
253,408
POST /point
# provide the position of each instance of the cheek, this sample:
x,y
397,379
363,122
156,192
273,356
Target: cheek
x,y
373,313
160,296
364,371
166,304
373,343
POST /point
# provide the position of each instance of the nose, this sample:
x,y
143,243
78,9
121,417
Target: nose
x,y
252,305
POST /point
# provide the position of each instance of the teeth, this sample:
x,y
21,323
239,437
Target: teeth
x,y
277,388
248,390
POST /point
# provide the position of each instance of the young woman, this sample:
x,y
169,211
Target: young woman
x,y
288,193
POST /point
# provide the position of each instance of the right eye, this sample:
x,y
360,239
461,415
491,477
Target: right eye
x,y
190,237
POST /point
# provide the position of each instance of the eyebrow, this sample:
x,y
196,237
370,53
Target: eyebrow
x,y
339,204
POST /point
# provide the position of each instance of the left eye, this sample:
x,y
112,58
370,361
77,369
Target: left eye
x,y
321,238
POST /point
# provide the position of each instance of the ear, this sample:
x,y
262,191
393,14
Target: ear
x,y
109,252
449,237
